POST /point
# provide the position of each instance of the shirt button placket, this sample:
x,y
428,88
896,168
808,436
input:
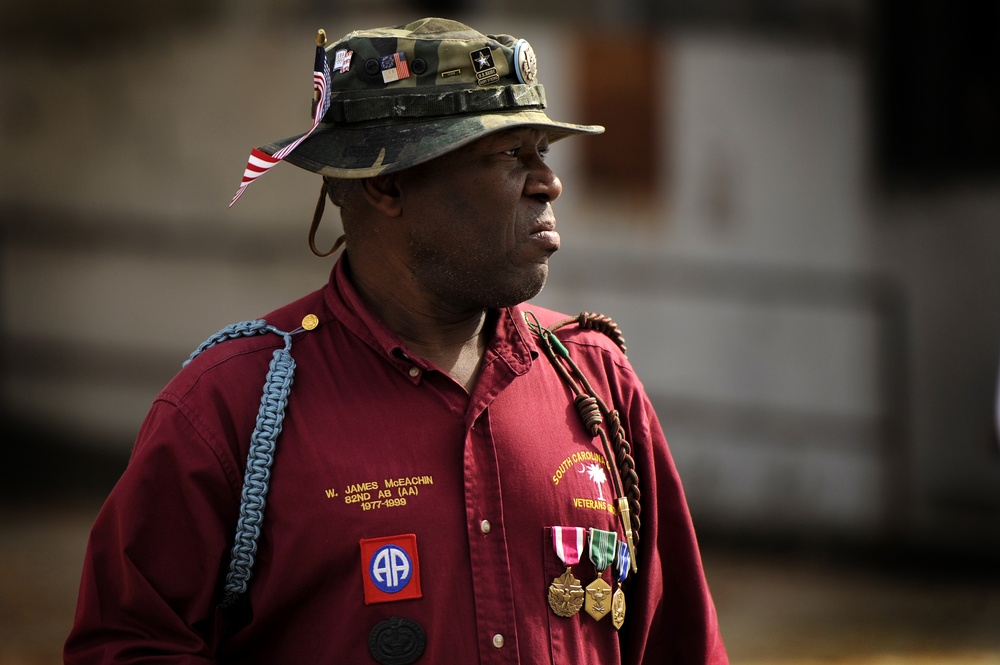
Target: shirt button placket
x,y
488,549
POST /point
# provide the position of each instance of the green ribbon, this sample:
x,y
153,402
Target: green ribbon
x,y
603,545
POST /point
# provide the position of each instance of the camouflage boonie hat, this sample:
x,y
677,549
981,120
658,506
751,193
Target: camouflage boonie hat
x,y
404,95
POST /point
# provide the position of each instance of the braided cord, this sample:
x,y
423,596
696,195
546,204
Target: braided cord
x,y
599,322
623,457
242,329
594,412
260,458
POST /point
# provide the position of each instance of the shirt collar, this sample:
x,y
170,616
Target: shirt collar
x,y
511,341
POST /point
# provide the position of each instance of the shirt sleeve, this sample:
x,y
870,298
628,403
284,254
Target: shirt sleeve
x,y
157,551
671,616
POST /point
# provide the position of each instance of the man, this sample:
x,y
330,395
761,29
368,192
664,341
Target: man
x,y
431,475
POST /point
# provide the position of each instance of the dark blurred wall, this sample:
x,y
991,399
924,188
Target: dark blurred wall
x,y
799,234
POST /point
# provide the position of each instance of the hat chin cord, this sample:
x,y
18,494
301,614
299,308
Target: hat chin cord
x,y
314,227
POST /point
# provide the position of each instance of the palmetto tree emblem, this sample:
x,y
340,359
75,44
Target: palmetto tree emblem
x,y
596,474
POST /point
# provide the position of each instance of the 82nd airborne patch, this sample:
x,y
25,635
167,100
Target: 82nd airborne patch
x,y
390,568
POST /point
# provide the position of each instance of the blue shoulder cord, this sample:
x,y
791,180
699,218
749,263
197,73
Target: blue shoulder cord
x,y
261,454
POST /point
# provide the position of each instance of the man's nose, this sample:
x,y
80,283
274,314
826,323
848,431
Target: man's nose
x,y
542,183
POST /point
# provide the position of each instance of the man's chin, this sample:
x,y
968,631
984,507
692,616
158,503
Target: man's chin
x,y
526,290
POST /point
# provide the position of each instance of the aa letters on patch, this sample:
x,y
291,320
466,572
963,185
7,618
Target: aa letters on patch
x,y
390,568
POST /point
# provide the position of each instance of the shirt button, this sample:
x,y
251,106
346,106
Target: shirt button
x,y
485,526
498,641
414,372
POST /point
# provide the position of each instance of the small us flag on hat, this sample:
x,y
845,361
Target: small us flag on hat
x,y
260,162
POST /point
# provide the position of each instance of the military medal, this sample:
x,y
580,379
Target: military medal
x,y
566,593
621,572
603,545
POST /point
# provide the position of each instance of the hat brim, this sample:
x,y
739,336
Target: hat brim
x,y
362,150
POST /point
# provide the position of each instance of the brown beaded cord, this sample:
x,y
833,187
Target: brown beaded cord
x,y
595,412
598,322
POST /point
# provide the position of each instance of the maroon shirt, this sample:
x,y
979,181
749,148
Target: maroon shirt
x,y
394,493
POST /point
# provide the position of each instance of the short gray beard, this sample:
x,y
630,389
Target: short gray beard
x,y
466,289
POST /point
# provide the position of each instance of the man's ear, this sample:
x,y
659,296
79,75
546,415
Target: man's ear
x,y
382,193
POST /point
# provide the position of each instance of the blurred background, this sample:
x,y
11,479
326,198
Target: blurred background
x,y
794,216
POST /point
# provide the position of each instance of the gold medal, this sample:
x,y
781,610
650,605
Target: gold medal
x,y
623,557
566,595
602,553
566,592
618,608
598,602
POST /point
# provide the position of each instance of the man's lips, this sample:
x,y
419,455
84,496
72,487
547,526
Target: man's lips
x,y
545,235
547,239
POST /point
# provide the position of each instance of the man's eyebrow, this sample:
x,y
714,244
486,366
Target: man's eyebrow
x,y
504,134
497,139
529,133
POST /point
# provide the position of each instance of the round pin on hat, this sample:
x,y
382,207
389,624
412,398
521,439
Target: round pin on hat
x,y
526,67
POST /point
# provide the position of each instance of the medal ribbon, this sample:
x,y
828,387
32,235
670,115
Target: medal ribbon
x,y
622,562
603,545
568,542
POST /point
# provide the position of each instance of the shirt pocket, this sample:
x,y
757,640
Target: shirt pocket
x,y
578,639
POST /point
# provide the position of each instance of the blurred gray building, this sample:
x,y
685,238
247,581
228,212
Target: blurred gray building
x,y
794,216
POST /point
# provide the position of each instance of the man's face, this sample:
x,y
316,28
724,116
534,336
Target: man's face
x,y
481,226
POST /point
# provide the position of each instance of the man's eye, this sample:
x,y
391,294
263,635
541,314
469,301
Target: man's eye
x,y
514,152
